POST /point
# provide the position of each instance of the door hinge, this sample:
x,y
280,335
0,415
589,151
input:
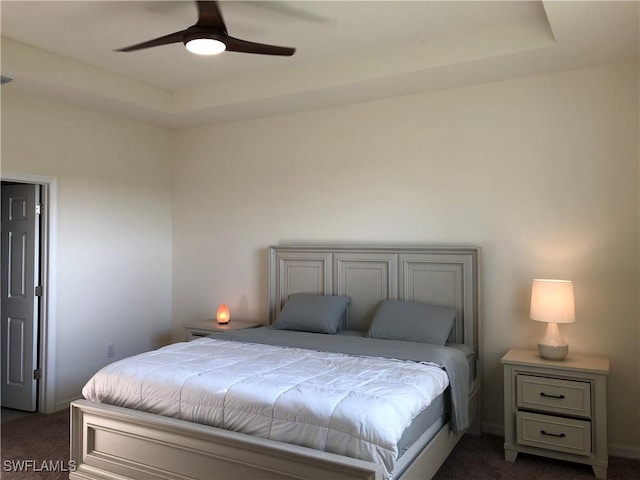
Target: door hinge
x,y
37,374
39,291
38,208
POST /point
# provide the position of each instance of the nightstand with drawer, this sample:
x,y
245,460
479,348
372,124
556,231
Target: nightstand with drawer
x,y
556,409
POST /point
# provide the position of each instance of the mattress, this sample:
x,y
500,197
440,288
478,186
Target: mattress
x,y
290,401
436,413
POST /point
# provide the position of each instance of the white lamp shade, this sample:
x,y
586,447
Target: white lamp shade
x,y
552,301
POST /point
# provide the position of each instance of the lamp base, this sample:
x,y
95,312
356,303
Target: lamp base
x,y
552,346
553,352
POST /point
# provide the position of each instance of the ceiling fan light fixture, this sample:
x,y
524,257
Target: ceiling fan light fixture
x,y
208,36
205,46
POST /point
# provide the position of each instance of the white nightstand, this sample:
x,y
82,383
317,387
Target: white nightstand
x,y
556,409
207,327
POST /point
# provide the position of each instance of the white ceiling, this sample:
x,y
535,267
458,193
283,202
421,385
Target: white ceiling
x,y
347,51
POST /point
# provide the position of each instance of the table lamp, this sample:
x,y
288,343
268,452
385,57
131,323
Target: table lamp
x,y
552,302
223,315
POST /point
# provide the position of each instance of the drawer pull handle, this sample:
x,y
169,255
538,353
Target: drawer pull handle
x,y
548,395
559,435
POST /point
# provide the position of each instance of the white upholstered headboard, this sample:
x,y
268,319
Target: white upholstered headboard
x,y
445,276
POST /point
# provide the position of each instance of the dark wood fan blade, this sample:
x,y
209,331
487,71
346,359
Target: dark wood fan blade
x,y
237,45
209,15
156,42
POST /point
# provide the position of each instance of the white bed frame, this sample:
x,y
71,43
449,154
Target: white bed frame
x,y
110,442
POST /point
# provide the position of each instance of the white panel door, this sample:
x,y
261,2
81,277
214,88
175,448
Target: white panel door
x,y
20,251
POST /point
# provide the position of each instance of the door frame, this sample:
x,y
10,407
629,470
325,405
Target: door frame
x,y
47,308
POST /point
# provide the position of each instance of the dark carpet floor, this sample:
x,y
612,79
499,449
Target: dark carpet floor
x,y
482,458
44,441
41,439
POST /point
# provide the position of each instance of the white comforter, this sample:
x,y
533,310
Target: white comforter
x,y
350,405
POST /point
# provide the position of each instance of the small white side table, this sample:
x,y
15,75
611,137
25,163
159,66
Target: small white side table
x,y
207,327
556,409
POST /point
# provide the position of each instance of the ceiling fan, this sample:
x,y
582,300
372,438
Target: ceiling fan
x,y
208,36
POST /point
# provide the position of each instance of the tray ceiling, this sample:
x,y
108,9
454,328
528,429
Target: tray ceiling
x,y
347,51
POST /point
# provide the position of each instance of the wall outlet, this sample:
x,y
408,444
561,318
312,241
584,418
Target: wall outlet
x,y
111,350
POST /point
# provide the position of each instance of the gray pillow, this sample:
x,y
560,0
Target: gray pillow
x,y
312,313
412,321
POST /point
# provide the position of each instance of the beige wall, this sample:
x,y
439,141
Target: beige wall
x,y
541,173
113,229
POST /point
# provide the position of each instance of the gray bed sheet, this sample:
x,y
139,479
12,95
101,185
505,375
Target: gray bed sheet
x,y
465,349
451,359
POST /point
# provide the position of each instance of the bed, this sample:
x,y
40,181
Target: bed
x,y
112,441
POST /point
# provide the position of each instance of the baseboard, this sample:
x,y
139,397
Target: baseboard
x,y
624,451
64,404
493,429
615,450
